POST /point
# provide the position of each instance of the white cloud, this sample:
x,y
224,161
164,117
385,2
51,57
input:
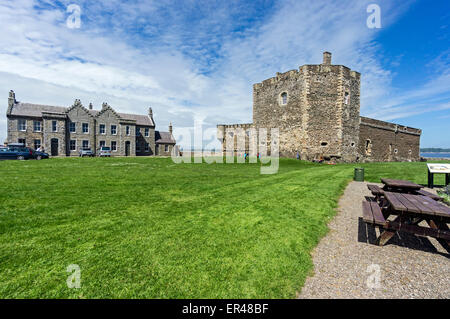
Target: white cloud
x,y
190,60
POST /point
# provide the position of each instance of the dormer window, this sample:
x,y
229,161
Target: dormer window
x,y
283,98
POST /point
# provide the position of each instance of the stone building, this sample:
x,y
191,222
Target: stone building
x,y
317,112
63,131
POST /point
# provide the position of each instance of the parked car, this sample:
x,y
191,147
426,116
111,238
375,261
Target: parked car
x,y
105,151
17,152
86,152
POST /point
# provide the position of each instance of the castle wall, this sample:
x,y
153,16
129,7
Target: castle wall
x,y
384,142
317,112
269,111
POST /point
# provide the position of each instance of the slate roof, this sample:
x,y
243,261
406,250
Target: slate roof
x,y
35,110
140,119
164,138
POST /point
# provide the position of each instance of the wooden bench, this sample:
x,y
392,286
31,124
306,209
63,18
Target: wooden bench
x,y
431,195
372,213
376,190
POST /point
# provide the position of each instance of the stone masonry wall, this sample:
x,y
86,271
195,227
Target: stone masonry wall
x,y
80,115
29,135
269,111
381,142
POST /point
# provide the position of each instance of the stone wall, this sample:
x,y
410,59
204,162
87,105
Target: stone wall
x,y
29,135
79,115
141,140
161,149
317,112
382,141
271,111
59,136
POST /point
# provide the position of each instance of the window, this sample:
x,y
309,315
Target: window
x,y
102,129
85,144
85,128
54,126
138,147
73,145
37,126
22,140
368,146
138,131
113,129
37,144
346,98
22,125
323,143
128,130
113,146
283,98
102,143
166,148
147,147
146,132
396,151
72,128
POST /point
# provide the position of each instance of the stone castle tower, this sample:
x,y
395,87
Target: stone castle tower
x,y
317,111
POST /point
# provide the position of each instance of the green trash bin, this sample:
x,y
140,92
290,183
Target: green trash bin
x,y
359,174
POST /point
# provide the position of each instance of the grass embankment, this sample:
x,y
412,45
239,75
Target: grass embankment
x,y
149,228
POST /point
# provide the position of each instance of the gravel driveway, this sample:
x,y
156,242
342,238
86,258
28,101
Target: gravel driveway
x,y
346,259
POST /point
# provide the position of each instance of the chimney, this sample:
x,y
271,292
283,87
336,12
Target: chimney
x,y
150,112
90,106
327,58
170,128
11,98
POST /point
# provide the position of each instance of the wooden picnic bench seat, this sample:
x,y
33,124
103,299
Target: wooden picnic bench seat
x,y
431,195
372,213
376,190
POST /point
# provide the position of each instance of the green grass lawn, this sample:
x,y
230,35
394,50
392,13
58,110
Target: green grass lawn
x,y
150,228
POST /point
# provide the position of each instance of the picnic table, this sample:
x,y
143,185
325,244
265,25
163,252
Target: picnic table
x,y
396,184
401,186
409,210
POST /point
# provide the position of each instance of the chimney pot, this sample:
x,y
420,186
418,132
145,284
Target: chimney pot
x,y
90,106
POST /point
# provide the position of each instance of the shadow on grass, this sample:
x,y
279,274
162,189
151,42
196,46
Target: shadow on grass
x,y
367,234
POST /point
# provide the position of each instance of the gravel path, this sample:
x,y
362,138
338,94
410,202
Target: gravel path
x,y
409,266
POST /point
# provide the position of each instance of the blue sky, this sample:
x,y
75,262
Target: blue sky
x,y
198,59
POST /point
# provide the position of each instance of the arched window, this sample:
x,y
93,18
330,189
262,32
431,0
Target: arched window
x,y
283,98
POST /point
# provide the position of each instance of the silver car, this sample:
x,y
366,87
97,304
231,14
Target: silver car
x,y
86,152
105,151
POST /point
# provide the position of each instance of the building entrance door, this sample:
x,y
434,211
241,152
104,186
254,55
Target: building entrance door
x,y
127,148
54,146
